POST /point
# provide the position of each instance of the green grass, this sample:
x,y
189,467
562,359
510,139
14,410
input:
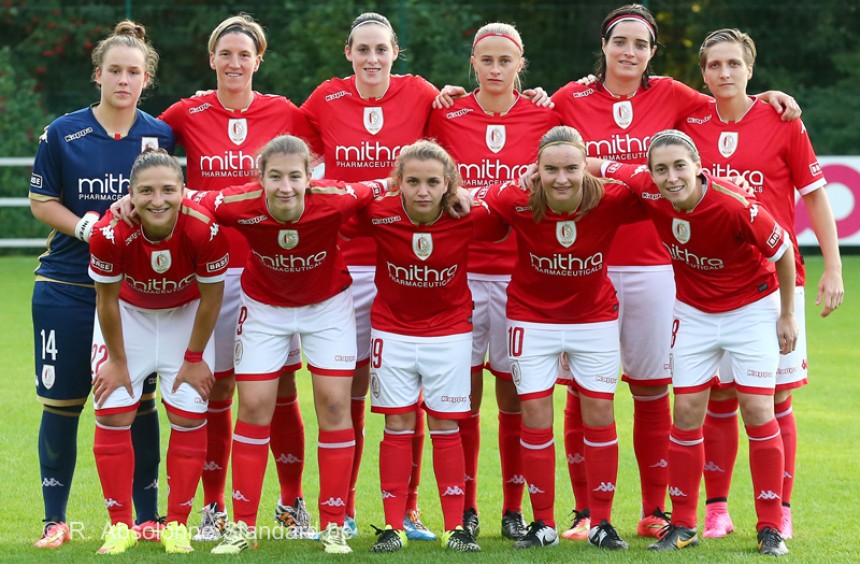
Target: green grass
x,y
825,497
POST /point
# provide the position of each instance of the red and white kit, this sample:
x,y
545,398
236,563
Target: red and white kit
x,y
777,160
158,300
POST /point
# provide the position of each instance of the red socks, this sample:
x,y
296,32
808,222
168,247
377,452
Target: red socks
x,y
250,455
186,453
652,421
788,430
395,459
288,447
219,425
538,458
721,448
417,454
357,411
601,464
686,459
335,453
470,434
448,464
574,448
513,481
115,464
767,463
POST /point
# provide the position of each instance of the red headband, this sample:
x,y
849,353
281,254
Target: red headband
x,y
632,18
498,34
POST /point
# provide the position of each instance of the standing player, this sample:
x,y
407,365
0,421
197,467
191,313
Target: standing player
x,y
739,135
422,335
295,282
362,122
720,243
560,301
82,166
221,133
159,287
617,116
492,135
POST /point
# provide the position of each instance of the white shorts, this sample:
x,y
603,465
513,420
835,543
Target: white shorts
x,y
747,333
264,334
792,371
155,341
646,299
401,365
489,299
363,292
225,329
591,348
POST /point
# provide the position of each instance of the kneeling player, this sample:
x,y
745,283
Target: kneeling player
x,y
159,288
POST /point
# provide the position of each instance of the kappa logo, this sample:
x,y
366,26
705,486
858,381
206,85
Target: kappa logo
x,y
211,466
622,113
496,137
753,212
237,129
662,463
189,503
676,492
422,245
576,458
288,458
374,119
107,232
728,143
219,199
769,494
468,478
161,261
153,485
533,489
48,376
213,231
605,487
786,474
111,502
681,230
565,233
51,483
332,502
239,496
517,479
387,495
453,490
288,239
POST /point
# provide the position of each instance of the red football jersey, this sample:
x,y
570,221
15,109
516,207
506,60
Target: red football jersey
x,y
421,269
222,145
620,129
160,274
560,274
491,148
727,263
774,156
361,137
297,263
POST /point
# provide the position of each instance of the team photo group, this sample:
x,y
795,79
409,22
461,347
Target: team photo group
x,y
395,241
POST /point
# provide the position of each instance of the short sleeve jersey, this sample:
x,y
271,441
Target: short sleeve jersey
x,y
222,144
775,157
296,263
160,274
85,169
361,137
421,270
721,250
560,275
491,148
620,129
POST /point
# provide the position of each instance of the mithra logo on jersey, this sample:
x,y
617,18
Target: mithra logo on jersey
x,y
558,264
421,276
490,171
228,164
755,178
160,285
693,260
106,187
292,263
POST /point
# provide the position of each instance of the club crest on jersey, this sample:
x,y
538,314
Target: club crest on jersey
x,y
565,232
681,230
622,112
148,143
728,143
288,238
237,129
422,245
161,261
496,137
373,120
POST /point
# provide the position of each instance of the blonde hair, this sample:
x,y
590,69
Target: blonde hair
x,y
127,34
499,29
728,35
427,150
240,23
592,187
152,158
284,145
